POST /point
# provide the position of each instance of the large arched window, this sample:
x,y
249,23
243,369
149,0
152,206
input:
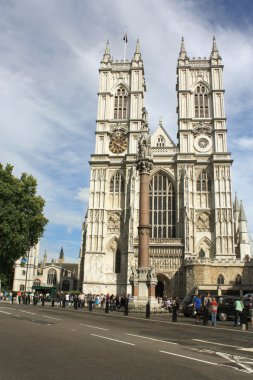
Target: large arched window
x,y
201,101
52,277
120,103
160,141
117,183
162,207
36,282
203,182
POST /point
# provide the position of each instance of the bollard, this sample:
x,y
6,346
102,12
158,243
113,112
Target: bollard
x,y
90,305
43,301
205,316
174,313
126,308
106,306
148,310
243,320
52,302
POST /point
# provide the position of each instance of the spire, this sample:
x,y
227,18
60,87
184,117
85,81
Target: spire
x,y
137,54
236,204
160,121
215,52
106,57
61,256
182,53
242,216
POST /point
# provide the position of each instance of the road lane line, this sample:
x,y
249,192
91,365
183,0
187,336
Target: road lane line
x,y
47,316
114,340
28,312
5,312
217,344
9,308
156,340
94,327
188,357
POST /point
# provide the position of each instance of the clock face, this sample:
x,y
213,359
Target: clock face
x,y
118,143
203,142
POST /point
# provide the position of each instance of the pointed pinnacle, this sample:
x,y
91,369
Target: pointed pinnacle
x,y
242,216
236,204
182,46
160,121
107,47
214,49
138,48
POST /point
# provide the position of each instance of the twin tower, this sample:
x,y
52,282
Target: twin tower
x,y
197,238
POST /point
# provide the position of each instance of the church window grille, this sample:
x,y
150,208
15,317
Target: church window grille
x,y
220,280
238,280
203,182
36,282
52,277
201,101
118,261
22,288
120,104
160,142
117,183
162,207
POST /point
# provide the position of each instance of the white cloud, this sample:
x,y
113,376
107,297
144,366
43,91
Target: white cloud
x,y
50,54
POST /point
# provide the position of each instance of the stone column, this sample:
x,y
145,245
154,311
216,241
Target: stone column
x,y
143,278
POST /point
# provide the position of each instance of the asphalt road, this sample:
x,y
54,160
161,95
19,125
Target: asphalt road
x,y
53,343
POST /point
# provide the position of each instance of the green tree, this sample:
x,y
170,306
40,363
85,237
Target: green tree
x,y
22,221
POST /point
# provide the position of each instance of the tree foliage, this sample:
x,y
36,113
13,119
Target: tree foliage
x,y
21,217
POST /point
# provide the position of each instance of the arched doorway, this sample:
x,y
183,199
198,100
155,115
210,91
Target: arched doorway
x,y
163,287
159,289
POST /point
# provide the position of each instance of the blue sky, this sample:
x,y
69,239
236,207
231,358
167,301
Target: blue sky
x,y
50,54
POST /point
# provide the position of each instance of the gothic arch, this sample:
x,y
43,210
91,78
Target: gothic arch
x,y
113,255
118,85
200,82
163,171
204,248
238,279
220,279
112,174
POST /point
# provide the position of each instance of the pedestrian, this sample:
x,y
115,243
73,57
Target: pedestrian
x,y
206,308
238,311
214,308
198,307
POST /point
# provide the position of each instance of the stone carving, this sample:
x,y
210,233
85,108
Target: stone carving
x,y
144,147
204,222
114,222
202,128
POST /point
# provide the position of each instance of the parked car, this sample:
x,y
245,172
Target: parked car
x,y
226,308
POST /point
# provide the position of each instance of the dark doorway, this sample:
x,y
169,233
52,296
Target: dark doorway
x,y
159,289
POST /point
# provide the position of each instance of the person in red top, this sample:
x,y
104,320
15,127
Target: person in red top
x,y
214,308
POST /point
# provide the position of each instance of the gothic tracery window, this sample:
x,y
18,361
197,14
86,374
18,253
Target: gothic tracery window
x,y
120,103
162,207
201,101
160,142
117,183
52,277
238,280
220,280
203,182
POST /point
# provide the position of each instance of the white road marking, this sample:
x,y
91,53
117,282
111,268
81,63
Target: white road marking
x,y
156,340
224,345
47,316
114,340
94,327
9,308
28,312
188,357
5,312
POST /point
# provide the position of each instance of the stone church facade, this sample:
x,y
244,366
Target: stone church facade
x,y
198,233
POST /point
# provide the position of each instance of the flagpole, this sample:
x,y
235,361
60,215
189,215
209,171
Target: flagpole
x,y
125,51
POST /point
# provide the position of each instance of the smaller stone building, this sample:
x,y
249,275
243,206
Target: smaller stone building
x,y
29,272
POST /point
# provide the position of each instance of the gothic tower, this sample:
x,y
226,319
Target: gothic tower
x,y
112,216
